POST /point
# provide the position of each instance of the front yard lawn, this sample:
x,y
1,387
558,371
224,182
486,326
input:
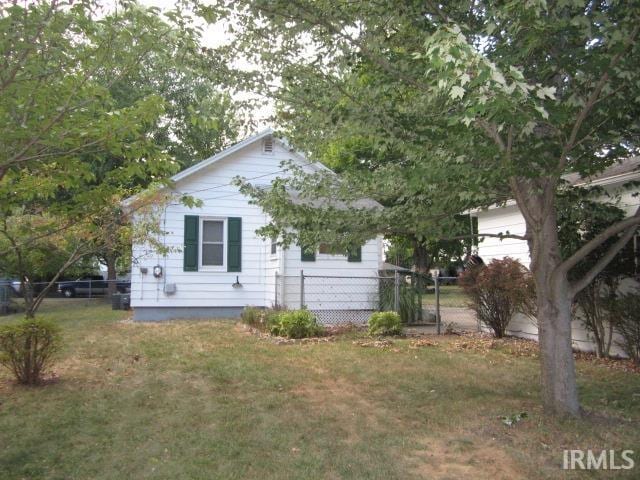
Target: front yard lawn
x,y
207,400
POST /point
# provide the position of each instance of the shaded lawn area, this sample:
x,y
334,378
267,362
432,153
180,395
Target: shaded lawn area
x,y
450,296
207,400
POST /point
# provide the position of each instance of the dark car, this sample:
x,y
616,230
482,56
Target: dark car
x,y
37,287
90,285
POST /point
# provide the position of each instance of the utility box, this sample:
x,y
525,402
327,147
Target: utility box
x,y
121,301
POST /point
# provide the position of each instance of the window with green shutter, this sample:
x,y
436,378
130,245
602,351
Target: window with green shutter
x,y
355,255
191,239
234,247
307,255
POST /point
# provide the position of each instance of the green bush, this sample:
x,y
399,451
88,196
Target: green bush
x,y
385,323
27,348
294,324
408,301
252,316
626,318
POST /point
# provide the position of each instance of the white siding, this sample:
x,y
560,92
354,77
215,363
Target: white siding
x,y
509,219
214,288
332,282
502,220
259,267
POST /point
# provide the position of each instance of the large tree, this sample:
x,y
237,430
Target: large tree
x,y
488,101
96,103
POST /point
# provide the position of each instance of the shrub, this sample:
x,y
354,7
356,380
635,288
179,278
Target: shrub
x,y
626,309
385,323
294,324
251,316
28,347
498,291
595,304
408,301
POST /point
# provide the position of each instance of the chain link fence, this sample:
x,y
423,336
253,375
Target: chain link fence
x,y
420,300
85,288
450,305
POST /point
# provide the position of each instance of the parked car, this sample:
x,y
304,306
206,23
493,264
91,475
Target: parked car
x,y
16,286
91,285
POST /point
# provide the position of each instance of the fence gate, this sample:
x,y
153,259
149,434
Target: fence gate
x,y
438,302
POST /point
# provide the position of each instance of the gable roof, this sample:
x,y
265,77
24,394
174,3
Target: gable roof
x,y
618,171
361,203
239,146
187,172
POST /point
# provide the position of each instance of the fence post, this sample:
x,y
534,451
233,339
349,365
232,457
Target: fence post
x,y
396,292
437,288
89,288
301,288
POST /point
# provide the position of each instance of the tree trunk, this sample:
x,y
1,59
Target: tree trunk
x,y
559,390
111,274
27,294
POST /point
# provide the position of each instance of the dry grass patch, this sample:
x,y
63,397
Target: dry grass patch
x,y
207,400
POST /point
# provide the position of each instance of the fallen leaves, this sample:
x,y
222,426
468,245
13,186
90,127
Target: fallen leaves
x,y
484,343
423,342
373,343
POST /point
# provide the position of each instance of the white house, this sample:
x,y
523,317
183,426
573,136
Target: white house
x,y
217,264
509,219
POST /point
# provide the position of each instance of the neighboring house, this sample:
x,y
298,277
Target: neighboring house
x,y
217,264
509,219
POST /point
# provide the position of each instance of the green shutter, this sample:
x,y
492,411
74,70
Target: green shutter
x,y
355,255
307,255
234,244
191,237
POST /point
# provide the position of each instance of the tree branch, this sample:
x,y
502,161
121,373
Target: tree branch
x,y
492,235
628,223
590,103
579,285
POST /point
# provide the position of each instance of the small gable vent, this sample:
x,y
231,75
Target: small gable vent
x,y
267,145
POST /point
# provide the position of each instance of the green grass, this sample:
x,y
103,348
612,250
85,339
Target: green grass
x,y
450,296
206,400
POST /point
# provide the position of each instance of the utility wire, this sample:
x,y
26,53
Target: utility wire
x,y
231,183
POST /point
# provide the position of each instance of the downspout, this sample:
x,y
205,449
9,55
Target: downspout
x,y
283,293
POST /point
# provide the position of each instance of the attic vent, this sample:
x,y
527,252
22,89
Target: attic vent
x,y
267,145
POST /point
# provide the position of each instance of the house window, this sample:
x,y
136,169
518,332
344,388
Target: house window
x,y
212,242
326,249
274,245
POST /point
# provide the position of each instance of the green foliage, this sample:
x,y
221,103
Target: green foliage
x,y
28,347
498,291
251,316
626,317
385,323
409,299
583,214
294,324
97,103
472,104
